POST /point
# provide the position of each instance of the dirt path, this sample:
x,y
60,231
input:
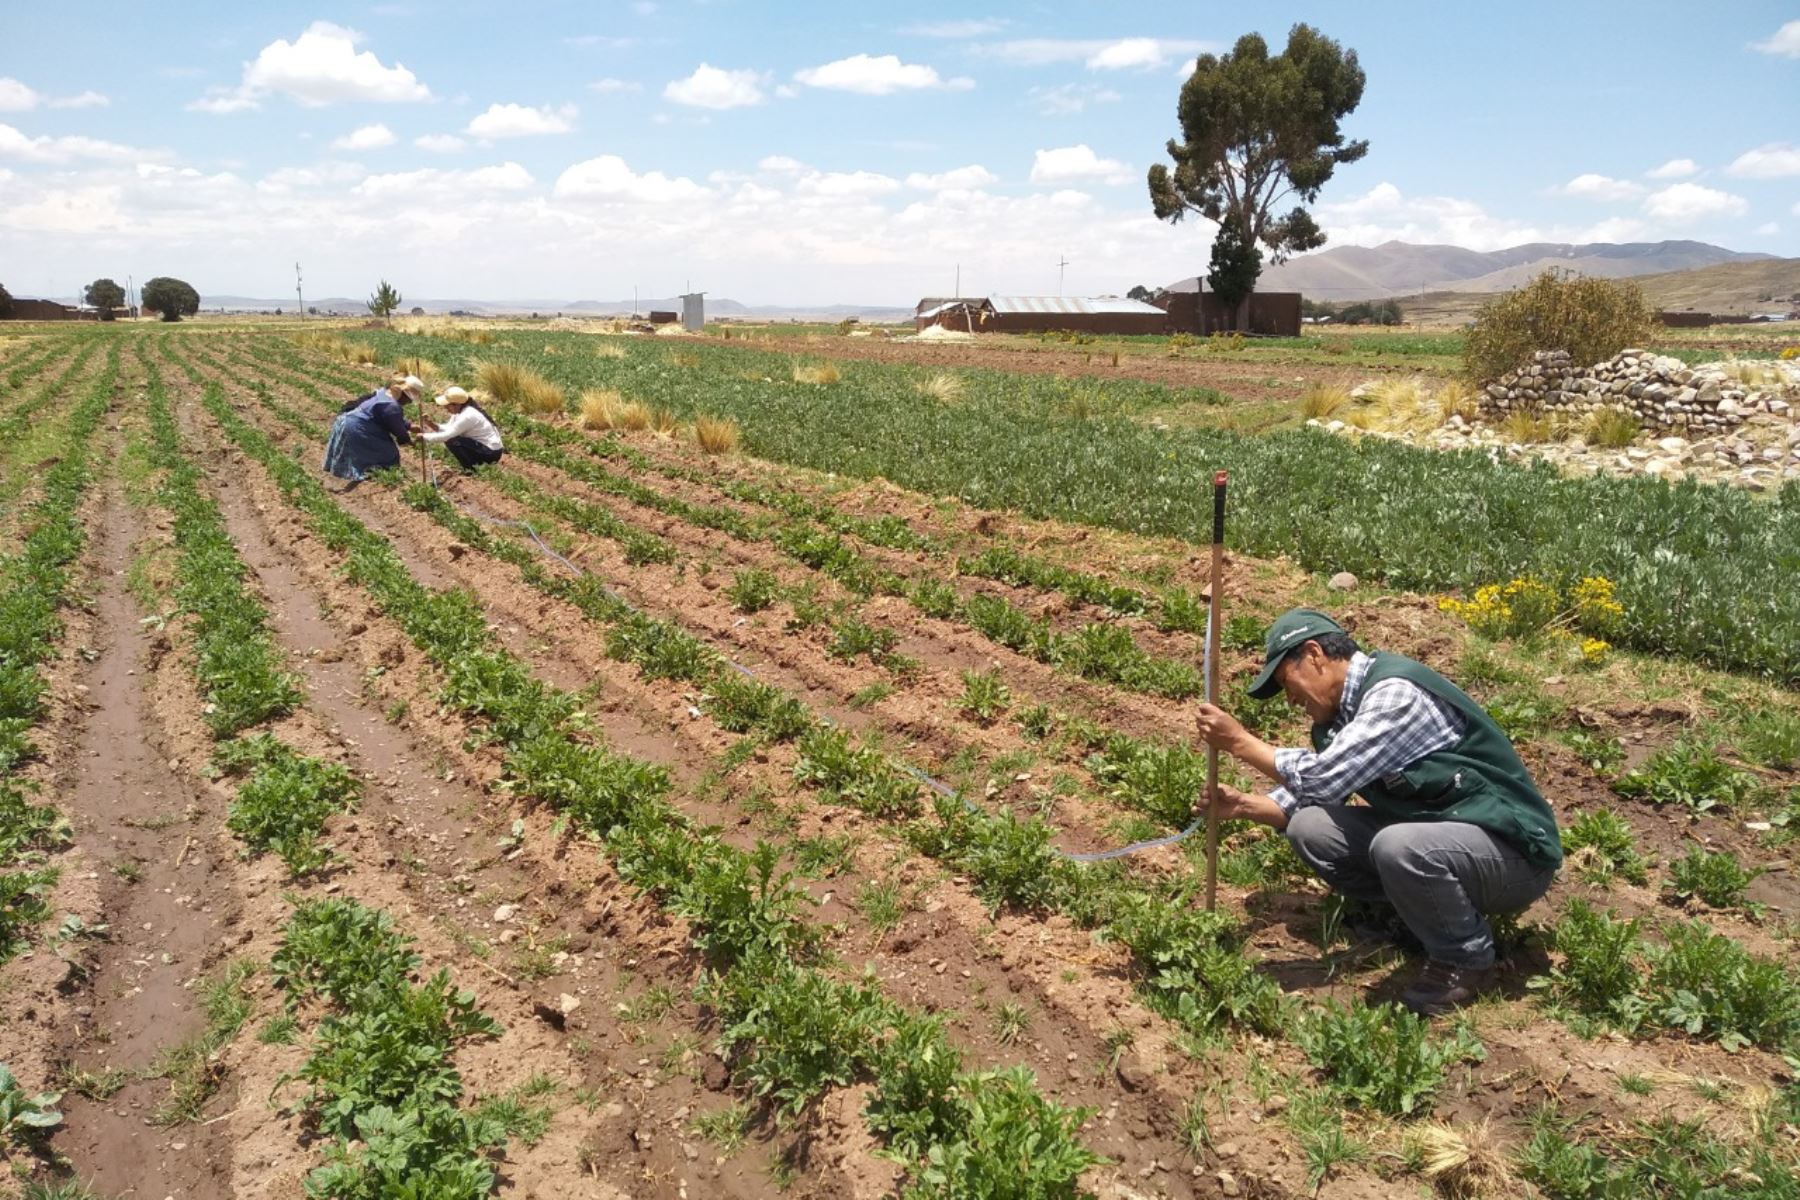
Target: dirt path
x,y
165,898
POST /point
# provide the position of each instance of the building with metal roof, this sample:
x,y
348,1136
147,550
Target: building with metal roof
x,y
1041,314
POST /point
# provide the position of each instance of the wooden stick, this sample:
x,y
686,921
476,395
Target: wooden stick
x,y
1215,591
424,471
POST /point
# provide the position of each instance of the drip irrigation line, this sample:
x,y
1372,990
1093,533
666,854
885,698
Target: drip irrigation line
x,y
930,781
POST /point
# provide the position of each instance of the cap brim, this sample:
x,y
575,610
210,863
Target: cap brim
x,y
1265,687
441,400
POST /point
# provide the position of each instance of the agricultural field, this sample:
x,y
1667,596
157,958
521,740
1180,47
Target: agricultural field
x,y
704,801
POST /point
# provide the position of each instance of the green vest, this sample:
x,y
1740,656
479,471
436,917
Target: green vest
x,y
1479,780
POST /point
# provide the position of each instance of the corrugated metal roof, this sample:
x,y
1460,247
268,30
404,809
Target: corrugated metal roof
x,y
1074,305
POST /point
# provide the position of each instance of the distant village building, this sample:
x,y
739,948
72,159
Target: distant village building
x,y
1040,314
1193,309
50,310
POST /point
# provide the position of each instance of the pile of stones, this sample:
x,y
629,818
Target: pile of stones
x,y
1664,394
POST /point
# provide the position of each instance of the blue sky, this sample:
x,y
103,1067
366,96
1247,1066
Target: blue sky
x,y
813,152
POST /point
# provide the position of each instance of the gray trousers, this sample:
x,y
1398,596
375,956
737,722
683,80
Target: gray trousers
x,y
1442,877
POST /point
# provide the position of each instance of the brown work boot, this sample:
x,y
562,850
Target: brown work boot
x,y
1442,988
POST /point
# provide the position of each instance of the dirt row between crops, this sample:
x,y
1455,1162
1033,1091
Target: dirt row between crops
x,y
1522,1062
942,955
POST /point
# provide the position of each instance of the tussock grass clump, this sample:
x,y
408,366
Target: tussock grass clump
x,y
599,408
330,345
662,422
424,368
632,417
1322,403
943,387
1458,399
1751,374
1526,427
1612,428
717,435
511,383
1464,1162
822,374
605,349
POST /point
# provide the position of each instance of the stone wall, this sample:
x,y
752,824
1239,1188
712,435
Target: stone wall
x,y
1664,394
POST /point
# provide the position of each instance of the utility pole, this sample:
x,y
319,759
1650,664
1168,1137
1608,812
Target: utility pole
x,y
1061,262
298,297
957,294
131,297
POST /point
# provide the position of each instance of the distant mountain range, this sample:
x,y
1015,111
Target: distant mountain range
x,y
1402,268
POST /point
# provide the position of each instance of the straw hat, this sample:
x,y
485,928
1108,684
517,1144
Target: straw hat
x,y
412,385
452,395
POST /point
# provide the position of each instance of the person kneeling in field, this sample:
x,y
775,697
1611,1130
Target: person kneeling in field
x,y
1453,828
369,430
469,435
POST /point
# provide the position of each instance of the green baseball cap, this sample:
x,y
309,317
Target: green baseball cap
x,y
1291,629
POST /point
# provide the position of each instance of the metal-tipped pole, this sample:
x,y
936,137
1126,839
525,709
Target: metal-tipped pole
x,y
1214,592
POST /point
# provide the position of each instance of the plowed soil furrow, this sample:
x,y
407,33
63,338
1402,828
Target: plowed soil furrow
x,y
164,896
939,955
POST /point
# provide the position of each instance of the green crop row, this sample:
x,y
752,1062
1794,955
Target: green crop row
x,y
772,1003
379,1077
238,666
35,583
1193,972
1697,982
1701,571
26,437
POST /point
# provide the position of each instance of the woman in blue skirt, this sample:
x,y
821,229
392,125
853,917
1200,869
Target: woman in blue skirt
x,y
370,430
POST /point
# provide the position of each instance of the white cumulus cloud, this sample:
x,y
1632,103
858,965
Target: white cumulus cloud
x,y
846,185
877,75
610,179
24,148
366,137
520,120
716,87
781,163
439,143
609,86
1675,168
1601,187
1683,202
960,178
1785,42
20,97
1067,99
1078,164
322,66
1098,54
1776,160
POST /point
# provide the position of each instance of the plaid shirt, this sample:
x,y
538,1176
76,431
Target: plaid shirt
x,y
1392,727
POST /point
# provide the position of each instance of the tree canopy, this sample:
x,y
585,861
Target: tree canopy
x,y
1257,130
173,298
1236,262
385,300
5,302
104,295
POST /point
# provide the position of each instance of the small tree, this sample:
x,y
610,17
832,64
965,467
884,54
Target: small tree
x,y
104,295
384,301
1140,292
1236,262
5,303
1593,319
1256,130
173,298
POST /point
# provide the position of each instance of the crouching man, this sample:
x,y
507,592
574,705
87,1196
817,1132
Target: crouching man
x,y
1453,828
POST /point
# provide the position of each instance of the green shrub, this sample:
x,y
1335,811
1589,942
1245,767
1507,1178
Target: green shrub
x,y
1593,319
1599,974
1599,845
1716,880
985,696
1191,968
1382,1057
1689,773
753,590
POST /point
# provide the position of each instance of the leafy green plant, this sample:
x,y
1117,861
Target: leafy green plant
x,y
1705,984
1382,1057
1598,975
1716,880
753,590
1603,755
283,804
1192,968
1689,773
1770,736
985,696
25,1117
1599,845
